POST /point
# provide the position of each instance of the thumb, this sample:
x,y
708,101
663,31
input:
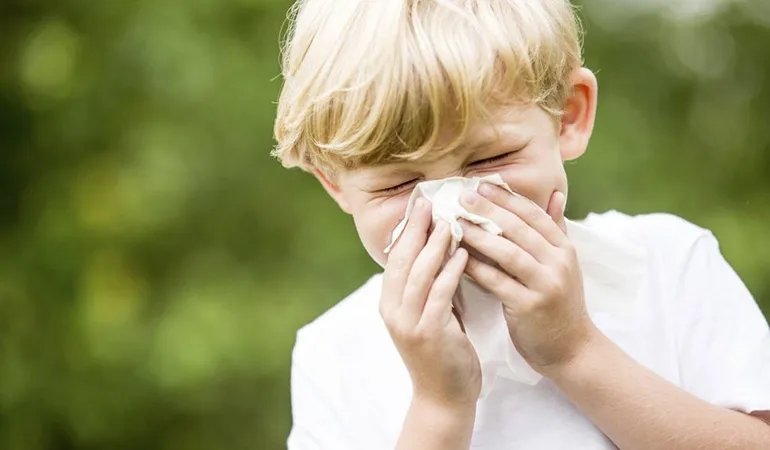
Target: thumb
x,y
556,207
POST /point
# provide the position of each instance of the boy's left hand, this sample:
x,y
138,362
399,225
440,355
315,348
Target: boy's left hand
x,y
537,276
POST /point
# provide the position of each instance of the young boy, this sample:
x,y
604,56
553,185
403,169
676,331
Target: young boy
x,y
382,95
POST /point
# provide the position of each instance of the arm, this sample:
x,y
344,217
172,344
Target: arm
x,y
416,306
639,410
430,426
719,330
719,323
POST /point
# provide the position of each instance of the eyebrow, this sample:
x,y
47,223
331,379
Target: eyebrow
x,y
393,169
501,134
485,142
369,183
502,137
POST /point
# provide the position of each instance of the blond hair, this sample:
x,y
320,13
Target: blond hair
x,y
376,81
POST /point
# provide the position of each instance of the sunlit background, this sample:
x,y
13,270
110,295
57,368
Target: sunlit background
x,y
155,262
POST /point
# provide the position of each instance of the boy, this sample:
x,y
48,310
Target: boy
x,y
382,95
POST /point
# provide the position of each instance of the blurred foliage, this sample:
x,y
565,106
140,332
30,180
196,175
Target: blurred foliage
x,y
155,262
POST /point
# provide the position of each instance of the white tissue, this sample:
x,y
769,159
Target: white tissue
x,y
611,273
445,196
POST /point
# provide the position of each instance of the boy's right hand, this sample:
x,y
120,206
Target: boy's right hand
x,y
416,305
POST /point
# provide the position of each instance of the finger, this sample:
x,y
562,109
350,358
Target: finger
x,y
506,254
456,313
438,308
508,290
527,210
403,254
514,228
556,208
423,273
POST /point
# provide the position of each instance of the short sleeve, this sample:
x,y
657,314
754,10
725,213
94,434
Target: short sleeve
x,y
317,420
723,338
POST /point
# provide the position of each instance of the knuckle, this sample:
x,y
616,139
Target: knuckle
x,y
400,332
497,277
530,305
516,225
569,251
522,226
554,287
408,335
532,215
397,262
484,206
421,335
511,202
419,219
560,268
565,263
511,259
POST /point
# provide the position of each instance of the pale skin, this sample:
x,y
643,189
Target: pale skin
x,y
533,270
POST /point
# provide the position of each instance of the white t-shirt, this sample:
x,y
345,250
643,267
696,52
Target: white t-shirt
x,y
695,324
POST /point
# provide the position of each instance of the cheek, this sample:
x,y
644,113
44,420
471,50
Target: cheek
x,y
375,224
537,182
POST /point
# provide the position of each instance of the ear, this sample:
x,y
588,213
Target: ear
x,y
577,123
333,189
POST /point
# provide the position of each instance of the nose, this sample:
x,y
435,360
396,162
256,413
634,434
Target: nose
x,y
446,166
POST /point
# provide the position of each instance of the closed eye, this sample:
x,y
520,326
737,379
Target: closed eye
x,y
492,160
398,187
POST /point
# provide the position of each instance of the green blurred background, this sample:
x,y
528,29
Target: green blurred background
x,y
155,262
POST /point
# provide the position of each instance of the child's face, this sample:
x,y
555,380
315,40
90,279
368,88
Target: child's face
x,y
528,154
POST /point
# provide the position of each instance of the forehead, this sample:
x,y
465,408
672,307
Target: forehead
x,y
511,127
502,126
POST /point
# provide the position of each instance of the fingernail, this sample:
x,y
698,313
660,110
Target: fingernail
x,y
440,226
486,189
420,204
470,198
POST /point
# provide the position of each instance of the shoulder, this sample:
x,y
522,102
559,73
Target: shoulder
x,y
646,227
346,358
665,237
352,313
349,386
352,322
